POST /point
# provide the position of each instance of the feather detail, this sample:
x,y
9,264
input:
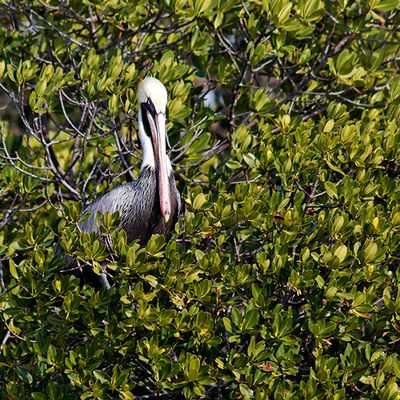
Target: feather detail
x,y
138,206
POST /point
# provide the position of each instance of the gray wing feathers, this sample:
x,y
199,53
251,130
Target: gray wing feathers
x,y
133,201
113,201
138,207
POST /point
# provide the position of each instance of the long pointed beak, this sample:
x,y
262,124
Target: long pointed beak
x,y
158,135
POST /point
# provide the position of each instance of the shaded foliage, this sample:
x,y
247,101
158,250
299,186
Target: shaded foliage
x,y
281,280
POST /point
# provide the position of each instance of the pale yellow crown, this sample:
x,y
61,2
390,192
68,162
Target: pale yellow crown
x,y
152,88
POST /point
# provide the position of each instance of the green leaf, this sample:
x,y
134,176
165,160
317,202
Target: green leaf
x,y
38,396
217,22
155,245
193,368
227,324
331,190
338,224
152,280
359,299
41,88
370,251
202,5
341,253
2,69
24,375
284,13
386,5
13,269
101,376
199,201
329,125
246,392
250,320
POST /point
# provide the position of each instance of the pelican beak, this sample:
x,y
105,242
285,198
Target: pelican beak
x,y
158,135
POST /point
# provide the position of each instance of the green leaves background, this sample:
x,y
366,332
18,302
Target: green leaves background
x,y
281,280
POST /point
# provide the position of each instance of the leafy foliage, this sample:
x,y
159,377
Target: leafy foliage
x,y
281,280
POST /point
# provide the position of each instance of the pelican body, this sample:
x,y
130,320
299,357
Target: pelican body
x,y
152,203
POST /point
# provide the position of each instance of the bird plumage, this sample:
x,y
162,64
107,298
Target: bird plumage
x,y
152,203
138,206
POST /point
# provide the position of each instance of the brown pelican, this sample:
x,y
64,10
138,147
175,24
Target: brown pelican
x,y
151,204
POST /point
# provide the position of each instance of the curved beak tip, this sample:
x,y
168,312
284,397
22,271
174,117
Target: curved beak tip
x,y
167,216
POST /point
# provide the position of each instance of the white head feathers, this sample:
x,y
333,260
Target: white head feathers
x,y
152,88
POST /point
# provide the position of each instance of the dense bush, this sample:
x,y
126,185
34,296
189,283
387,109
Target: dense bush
x,y
281,279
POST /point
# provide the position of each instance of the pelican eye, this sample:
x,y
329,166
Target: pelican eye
x,y
150,108
148,111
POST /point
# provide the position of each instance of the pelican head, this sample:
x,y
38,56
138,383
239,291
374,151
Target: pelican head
x,y
152,98
153,89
